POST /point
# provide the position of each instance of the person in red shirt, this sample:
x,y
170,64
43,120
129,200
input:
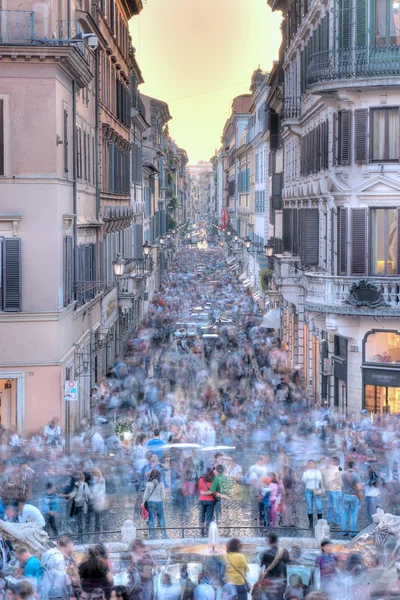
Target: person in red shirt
x,y
206,502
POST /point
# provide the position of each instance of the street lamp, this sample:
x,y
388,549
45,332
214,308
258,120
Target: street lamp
x,y
146,248
269,249
168,236
118,265
235,237
247,242
161,239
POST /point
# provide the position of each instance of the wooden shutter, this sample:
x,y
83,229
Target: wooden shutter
x,y
65,140
360,135
335,157
87,269
358,241
345,24
2,149
138,241
12,274
342,241
295,233
286,228
277,191
361,23
309,236
344,137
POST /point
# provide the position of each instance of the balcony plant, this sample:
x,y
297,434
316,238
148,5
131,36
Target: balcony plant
x,y
265,278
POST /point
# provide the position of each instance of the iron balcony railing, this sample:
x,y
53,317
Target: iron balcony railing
x,y
359,61
17,26
291,108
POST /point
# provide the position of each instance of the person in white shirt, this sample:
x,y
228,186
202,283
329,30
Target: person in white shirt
x,y
204,591
52,433
312,480
29,513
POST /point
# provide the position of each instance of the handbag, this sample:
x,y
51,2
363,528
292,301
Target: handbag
x,y
256,593
246,581
145,505
144,513
358,492
320,491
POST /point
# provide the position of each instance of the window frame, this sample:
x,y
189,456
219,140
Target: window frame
x,y
388,365
385,237
372,111
388,41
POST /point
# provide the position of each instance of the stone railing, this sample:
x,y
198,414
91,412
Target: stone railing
x,y
333,291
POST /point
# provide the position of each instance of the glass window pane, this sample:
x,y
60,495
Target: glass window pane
x,y
380,22
393,134
378,242
395,23
383,347
378,127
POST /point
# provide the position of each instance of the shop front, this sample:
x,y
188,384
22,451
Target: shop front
x,y
381,372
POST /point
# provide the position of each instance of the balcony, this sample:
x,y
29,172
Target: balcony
x,y
361,63
330,294
17,26
291,108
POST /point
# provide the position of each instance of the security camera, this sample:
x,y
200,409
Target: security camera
x,y
93,42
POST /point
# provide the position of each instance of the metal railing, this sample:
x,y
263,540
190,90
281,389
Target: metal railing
x,y
17,26
334,290
291,108
359,61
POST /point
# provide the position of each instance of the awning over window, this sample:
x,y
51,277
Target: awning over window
x,y
256,295
231,260
243,277
234,266
246,283
272,319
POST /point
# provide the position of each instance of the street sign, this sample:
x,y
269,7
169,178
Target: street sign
x,y
70,391
328,366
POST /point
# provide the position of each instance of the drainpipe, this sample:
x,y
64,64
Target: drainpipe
x,y
75,183
97,127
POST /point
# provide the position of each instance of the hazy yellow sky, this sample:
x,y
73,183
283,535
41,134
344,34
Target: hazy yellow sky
x,y
187,47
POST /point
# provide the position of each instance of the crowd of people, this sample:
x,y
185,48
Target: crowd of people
x,y
202,422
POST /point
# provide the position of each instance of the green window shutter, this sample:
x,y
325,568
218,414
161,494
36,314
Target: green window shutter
x,y
345,24
360,135
2,151
358,241
344,137
342,241
69,269
309,236
65,142
361,23
12,275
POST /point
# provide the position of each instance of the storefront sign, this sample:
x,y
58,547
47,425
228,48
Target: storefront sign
x,y
70,391
382,377
328,366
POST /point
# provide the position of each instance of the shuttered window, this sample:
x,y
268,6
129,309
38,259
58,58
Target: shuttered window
x,y
309,236
2,148
358,241
79,152
11,274
384,128
314,153
65,140
86,265
342,241
85,157
138,241
277,191
344,24
360,135
344,141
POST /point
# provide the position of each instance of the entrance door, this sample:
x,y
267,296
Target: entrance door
x,y
8,406
380,399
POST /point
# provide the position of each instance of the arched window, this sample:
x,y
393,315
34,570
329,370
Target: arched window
x,y
382,347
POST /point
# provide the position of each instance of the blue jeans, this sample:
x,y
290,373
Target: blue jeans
x,y
335,502
156,509
372,503
206,514
310,496
351,505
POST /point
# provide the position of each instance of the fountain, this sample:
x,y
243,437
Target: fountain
x,y
213,536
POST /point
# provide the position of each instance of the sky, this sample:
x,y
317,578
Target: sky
x,y
188,47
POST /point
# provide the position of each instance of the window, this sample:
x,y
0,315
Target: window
x,y
2,149
79,152
68,270
384,241
10,274
385,134
387,22
383,347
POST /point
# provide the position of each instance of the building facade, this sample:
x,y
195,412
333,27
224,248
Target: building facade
x,y
338,274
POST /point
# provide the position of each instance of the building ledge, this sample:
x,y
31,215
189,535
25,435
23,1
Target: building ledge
x,y
347,309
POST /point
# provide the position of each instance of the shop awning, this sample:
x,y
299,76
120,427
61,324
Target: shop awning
x,y
272,319
243,277
234,266
246,283
231,260
256,295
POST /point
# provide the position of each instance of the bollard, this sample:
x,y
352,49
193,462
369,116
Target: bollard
x,y
322,531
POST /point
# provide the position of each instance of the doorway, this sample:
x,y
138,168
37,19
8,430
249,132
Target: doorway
x,y
8,403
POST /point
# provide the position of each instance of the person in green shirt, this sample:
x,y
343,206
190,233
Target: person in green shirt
x,y
220,488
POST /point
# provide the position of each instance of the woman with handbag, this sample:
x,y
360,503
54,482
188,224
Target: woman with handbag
x,y
314,489
80,497
153,501
236,568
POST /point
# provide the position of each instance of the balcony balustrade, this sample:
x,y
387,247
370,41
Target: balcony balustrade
x,y
358,62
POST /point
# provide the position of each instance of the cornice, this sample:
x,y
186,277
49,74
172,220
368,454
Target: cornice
x,y
69,59
35,317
